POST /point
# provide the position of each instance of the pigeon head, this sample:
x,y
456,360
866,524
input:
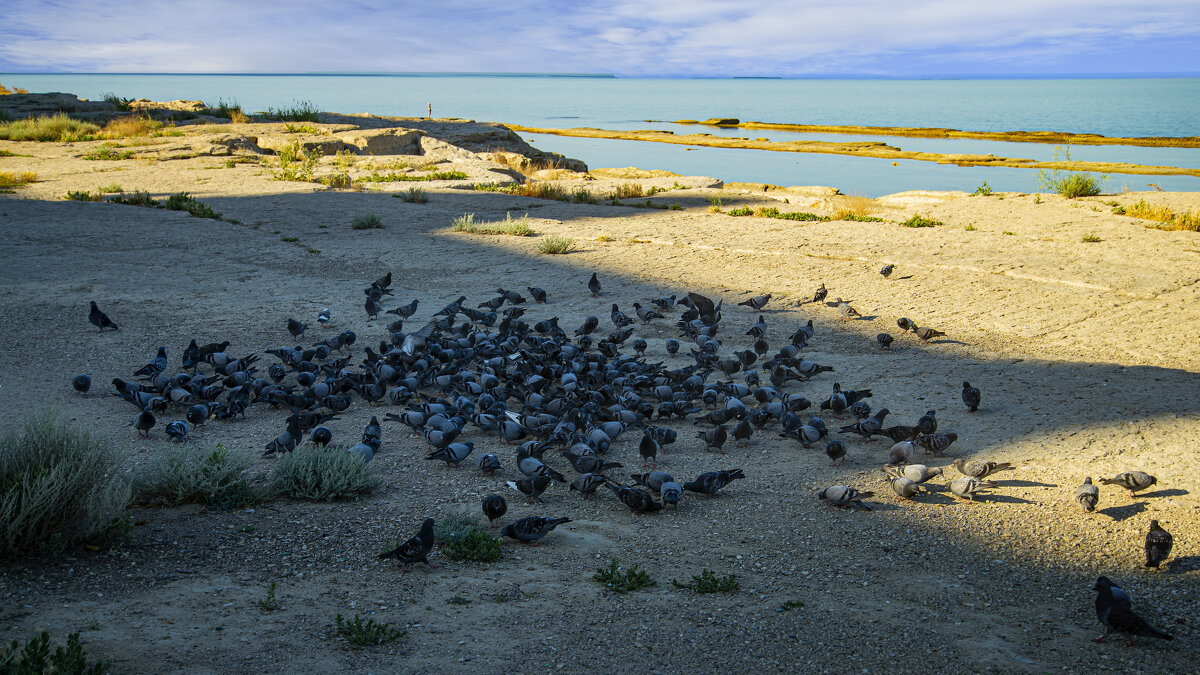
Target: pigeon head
x,y
1103,584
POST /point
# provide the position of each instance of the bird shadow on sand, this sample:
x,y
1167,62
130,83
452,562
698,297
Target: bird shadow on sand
x,y
1169,492
947,342
1186,563
871,317
1004,499
1119,513
931,497
1024,483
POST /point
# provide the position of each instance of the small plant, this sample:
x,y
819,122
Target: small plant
x,y
604,237
462,539
107,152
300,129
299,111
1009,232
852,208
789,606
709,582
83,196
1090,238
136,198
12,179
182,201
970,227
675,206
620,581
554,245
628,191
983,190
269,604
294,163
216,478
367,221
35,658
584,196
1070,184
540,190
918,220
322,475
1037,199
517,228
413,196
772,212
233,111
117,102
358,633
111,188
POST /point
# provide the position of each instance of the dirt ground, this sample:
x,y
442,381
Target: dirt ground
x,y
1086,354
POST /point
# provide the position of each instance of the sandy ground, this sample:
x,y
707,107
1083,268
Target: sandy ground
x,y
1085,353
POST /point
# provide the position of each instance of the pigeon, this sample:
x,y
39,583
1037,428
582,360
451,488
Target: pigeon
x,y
820,294
936,443
672,346
652,479
646,315
100,319
453,454
637,499
901,453
842,496
1158,545
976,468
714,438
373,308
906,324
323,317
589,325
82,383
670,492
594,286
144,422
884,340
757,302
868,427
197,414
531,486
488,463
1134,481
405,311
665,303
917,473
903,487
846,310
927,334
296,328
970,396
710,483
539,295
533,528
156,366
587,483
648,449
900,433
861,410
619,318
494,507
836,450
1114,610
177,431
321,436
928,422
1087,495
887,270
966,487
415,549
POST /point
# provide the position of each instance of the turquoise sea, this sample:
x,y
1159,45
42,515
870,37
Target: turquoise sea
x,y
1112,107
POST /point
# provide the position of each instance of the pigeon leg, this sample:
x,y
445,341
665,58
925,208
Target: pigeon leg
x,y
533,543
431,565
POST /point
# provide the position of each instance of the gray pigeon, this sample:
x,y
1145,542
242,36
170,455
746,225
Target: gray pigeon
x,y
927,333
977,468
917,473
177,431
415,549
936,443
531,529
1134,481
904,487
906,324
846,310
637,499
100,319
594,286
901,453
82,383
884,340
842,496
494,507
670,492
710,484
971,397
757,302
1114,610
488,463
887,270
296,328
1158,545
324,316
453,454
967,487
1087,495
868,427
144,422
821,294
531,486
835,450
587,483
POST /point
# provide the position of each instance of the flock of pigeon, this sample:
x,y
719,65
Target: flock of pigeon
x,y
544,390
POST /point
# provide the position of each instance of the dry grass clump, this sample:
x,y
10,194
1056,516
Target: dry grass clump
x,y
367,221
413,196
628,191
516,228
1170,219
11,179
57,128
554,245
5,91
322,474
132,125
541,190
847,207
59,487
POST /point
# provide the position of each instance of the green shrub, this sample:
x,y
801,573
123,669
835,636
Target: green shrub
x,y
83,196
918,220
403,177
623,581
1070,184
366,221
413,196
35,658
517,228
121,104
554,245
299,111
583,196
294,163
462,539
57,128
709,582
182,201
59,487
216,478
772,212
507,188
858,218
269,603
983,190
108,152
359,633
136,198
320,475
744,211
111,188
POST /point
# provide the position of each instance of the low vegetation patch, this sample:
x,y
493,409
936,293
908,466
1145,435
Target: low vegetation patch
x,y
136,198
461,538
216,478
1090,239
772,212
182,201
232,111
59,488
57,128
555,245
708,582
322,475
516,228
744,211
628,191
108,152
983,190
135,125
117,102
299,111
11,179
623,581
269,603
300,129
35,658
917,220
1169,218
848,207
413,196
360,633
83,196
1070,184
294,163
366,221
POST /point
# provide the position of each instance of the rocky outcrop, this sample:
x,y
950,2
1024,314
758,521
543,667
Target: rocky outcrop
x,y
395,141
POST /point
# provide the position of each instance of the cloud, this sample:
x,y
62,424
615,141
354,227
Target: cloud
x,y
669,37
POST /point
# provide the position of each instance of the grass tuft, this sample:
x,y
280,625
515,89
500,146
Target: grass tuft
x,y
918,220
628,191
182,201
294,163
11,179
413,196
83,196
516,228
117,102
1090,239
360,633
107,152
744,211
853,208
35,657
299,111
57,128
136,198
1070,184
555,245
322,475
1169,219
709,582
622,582
984,190
111,188
462,539
269,603
367,221
216,478
132,125
58,488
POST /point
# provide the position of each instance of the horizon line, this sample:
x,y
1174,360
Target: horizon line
x,y
841,76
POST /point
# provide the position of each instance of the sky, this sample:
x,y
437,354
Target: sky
x,y
657,38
